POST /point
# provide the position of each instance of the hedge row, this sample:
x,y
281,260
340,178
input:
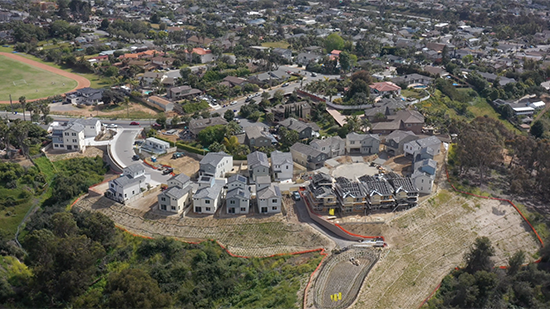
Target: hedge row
x,y
191,148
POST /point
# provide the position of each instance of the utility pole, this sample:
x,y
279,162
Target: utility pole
x,y
11,105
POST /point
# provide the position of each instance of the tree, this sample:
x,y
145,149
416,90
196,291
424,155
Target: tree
x,y
288,137
515,262
229,115
278,96
184,73
211,134
479,257
231,143
23,102
334,42
134,288
155,18
104,24
270,118
347,61
232,128
217,147
537,129
161,119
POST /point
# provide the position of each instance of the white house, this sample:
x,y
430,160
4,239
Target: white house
x,y
129,185
208,197
258,165
237,181
413,147
237,201
423,181
73,138
179,180
149,77
282,165
175,199
156,145
216,164
269,200
92,127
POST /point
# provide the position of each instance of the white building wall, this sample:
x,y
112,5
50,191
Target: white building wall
x,y
273,205
206,208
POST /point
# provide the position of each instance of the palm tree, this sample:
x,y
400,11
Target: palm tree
x,y
231,143
23,102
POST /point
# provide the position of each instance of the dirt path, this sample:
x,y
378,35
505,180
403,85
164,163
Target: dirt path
x,y
546,100
82,81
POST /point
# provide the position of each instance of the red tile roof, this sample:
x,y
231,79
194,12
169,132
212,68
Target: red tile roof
x,y
385,86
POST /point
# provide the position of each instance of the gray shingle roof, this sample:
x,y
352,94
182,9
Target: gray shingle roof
x,y
269,192
86,121
125,180
214,158
209,192
181,178
381,187
77,127
238,193
306,149
359,137
278,158
257,158
428,141
398,135
403,183
177,192
237,178
135,168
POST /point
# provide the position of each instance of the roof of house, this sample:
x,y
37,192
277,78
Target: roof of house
x,y
359,137
409,116
238,193
305,149
347,188
214,158
385,86
391,125
428,141
126,180
403,183
381,187
269,192
180,178
253,132
76,127
153,74
159,101
263,179
177,192
237,178
207,122
234,80
201,51
297,125
257,158
85,121
211,193
158,141
398,135
134,169
278,158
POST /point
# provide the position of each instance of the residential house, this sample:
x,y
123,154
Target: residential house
x,y
405,192
412,79
320,193
155,145
70,137
305,130
258,165
162,62
333,146
413,147
308,156
149,78
362,144
85,96
424,175
204,41
385,89
351,195
237,181
235,81
284,53
209,195
407,120
160,103
262,182
175,199
92,126
179,180
205,55
237,201
269,200
282,166
216,164
383,108
299,109
435,71
183,92
256,137
396,140
304,59
197,125
380,193
129,185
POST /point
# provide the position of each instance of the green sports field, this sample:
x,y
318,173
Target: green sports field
x,y
31,82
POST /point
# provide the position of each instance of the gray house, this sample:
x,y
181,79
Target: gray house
x,y
333,146
283,52
258,165
305,130
395,141
362,144
237,201
282,165
256,137
308,156
269,200
236,181
216,164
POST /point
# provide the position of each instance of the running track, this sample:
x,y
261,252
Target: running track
x,y
82,81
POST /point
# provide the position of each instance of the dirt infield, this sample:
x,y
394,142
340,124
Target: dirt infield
x,y
82,81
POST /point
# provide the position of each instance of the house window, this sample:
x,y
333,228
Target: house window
x,y
173,207
352,142
207,201
243,209
274,208
231,210
73,134
264,209
198,209
66,133
112,185
163,199
207,209
163,207
74,140
232,202
125,195
274,201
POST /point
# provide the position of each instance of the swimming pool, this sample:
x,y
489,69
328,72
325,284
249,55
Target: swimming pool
x,y
420,87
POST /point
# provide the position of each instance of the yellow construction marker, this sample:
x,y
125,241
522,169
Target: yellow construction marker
x,y
339,295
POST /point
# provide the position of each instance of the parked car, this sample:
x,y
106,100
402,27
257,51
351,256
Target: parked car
x,y
233,103
176,155
313,74
156,126
296,195
167,171
286,84
134,123
135,157
112,125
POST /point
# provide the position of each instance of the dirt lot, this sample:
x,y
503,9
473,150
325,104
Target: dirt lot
x,y
257,236
57,155
185,164
427,242
135,110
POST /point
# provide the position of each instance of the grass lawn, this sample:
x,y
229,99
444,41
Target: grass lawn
x,y
46,167
480,108
280,44
10,217
38,81
410,94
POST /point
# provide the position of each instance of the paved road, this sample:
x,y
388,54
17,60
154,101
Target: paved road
x,y
61,118
123,147
303,216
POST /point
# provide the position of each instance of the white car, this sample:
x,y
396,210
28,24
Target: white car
x,y
233,103
112,125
